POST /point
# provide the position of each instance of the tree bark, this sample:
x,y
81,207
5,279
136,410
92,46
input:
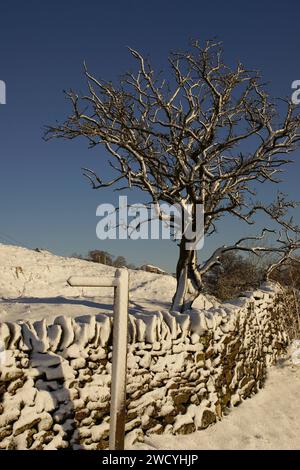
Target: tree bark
x,y
189,282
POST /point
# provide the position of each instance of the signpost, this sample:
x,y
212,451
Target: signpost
x,y
119,350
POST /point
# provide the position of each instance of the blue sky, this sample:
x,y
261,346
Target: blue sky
x,y
44,200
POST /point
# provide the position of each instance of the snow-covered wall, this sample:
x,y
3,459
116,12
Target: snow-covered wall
x,y
183,371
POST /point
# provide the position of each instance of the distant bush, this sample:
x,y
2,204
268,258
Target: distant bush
x,y
234,275
99,256
291,317
103,257
288,274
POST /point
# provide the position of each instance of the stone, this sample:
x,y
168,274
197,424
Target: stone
x,y
195,338
45,401
200,358
15,385
9,416
204,417
8,374
40,327
24,440
4,335
27,420
46,422
184,424
82,414
31,341
99,355
74,352
5,431
45,360
235,399
67,326
133,437
145,362
54,333
15,334
182,397
62,371
24,362
78,363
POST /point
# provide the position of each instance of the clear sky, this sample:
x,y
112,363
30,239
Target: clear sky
x,y
44,200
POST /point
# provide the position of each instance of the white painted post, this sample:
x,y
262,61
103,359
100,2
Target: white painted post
x,y
119,350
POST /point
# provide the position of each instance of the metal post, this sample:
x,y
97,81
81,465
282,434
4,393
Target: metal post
x,y
119,350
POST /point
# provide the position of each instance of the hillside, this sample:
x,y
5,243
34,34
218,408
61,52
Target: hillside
x,y
33,285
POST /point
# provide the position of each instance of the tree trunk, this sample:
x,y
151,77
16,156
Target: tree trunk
x,y
189,282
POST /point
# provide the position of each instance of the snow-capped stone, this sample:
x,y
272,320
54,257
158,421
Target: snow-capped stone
x,y
67,331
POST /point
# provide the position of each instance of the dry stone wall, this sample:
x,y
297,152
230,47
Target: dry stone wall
x,y
183,371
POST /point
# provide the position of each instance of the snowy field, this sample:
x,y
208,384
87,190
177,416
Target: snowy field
x,y
33,286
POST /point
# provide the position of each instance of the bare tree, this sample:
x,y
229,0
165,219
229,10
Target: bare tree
x,y
99,256
120,262
210,135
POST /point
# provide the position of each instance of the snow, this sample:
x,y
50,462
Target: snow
x,y
295,352
152,269
33,286
53,316
45,401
